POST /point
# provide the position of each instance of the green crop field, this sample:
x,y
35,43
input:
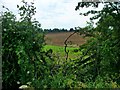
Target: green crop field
x,y
60,51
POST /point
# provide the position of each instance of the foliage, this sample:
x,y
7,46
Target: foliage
x,y
22,43
56,30
24,59
27,61
103,47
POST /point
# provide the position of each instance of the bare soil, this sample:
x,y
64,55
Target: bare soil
x,y
59,39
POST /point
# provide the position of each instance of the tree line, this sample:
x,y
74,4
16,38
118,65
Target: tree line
x,y
55,30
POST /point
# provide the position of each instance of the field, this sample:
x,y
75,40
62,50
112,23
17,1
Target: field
x,y
55,41
58,51
58,39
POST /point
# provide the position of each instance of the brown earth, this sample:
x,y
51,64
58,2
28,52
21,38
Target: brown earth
x,y
59,38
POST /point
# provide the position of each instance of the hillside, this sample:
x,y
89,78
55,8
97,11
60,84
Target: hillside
x,y
59,38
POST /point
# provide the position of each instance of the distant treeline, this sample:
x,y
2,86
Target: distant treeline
x,y
55,30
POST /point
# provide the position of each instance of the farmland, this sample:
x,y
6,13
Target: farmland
x,y
58,39
55,41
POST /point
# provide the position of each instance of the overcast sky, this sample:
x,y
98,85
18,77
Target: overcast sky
x,y
53,13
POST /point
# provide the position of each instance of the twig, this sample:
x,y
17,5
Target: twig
x,y
65,42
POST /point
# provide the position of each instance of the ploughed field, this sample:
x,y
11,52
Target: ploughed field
x,y
59,38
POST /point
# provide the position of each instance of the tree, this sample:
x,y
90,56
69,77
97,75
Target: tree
x,y
71,29
22,42
103,47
